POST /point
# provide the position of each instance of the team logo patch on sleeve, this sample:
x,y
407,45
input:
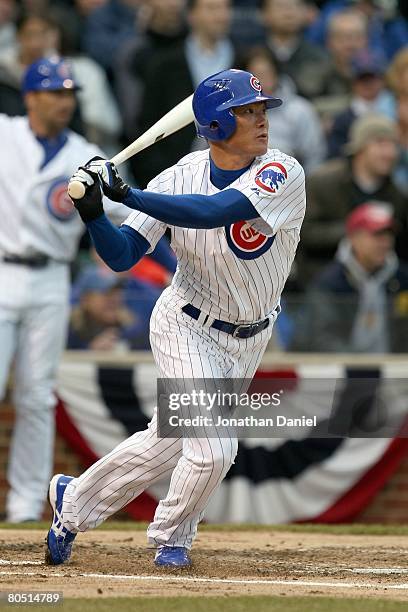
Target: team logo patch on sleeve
x,y
271,176
59,203
245,242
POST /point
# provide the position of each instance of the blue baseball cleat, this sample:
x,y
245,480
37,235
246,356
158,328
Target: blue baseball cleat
x,y
59,539
172,556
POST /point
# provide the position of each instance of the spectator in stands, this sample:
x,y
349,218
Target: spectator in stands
x,y
312,11
368,95
247,28
100,115
398,73
172,76
397,81
401,168
98,320
7,27
395,106
164,28
37,35
73,14
304,62
358,303
387,31
112,313
108,28
294,128
35,38
346,36
341,184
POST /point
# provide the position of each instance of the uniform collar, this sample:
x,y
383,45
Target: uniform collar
x,y
222,178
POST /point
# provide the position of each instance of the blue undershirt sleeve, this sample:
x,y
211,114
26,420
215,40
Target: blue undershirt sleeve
x,y
193,210
120,248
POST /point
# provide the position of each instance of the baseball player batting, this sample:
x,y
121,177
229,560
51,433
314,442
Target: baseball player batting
x,y
235,211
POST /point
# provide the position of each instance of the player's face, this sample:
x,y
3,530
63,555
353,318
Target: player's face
x,y
250,138
51,111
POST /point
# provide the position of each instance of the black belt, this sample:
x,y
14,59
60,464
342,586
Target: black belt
x,y
246,330
36,261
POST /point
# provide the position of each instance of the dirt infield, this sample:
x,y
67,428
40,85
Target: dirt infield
x,y
117,563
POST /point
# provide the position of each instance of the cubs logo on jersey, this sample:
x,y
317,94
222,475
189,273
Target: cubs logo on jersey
x,y
271,176
59,204
246,242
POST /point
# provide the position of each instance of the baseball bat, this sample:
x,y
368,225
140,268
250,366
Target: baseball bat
x,y
179,116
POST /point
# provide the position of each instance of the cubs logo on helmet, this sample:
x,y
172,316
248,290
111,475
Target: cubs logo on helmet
x,y
271,176
255,83
245,241
59,204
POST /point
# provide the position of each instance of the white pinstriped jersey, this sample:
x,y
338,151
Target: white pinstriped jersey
x,y
234,273
37,216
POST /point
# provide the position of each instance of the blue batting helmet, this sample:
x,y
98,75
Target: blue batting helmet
x,y
48,74
215,97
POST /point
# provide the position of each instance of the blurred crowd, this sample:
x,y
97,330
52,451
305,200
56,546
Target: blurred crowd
x,y
341,68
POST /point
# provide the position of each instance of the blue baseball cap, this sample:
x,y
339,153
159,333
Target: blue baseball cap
x,y
49,74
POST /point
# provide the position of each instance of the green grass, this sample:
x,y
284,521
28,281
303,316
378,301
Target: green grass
x,y
223,604
348,529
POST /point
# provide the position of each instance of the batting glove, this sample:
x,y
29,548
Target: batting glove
x,y
89,207
112,185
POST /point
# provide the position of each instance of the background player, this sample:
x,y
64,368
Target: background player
x,y
39,233
235,213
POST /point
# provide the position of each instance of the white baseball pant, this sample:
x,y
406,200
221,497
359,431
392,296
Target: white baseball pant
x,y
182,348
33,320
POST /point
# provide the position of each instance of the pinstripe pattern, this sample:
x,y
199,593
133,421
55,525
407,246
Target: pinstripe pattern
x,y
183,349
213,278
209,274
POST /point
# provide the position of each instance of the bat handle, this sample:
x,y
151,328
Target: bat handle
x,y
76,189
